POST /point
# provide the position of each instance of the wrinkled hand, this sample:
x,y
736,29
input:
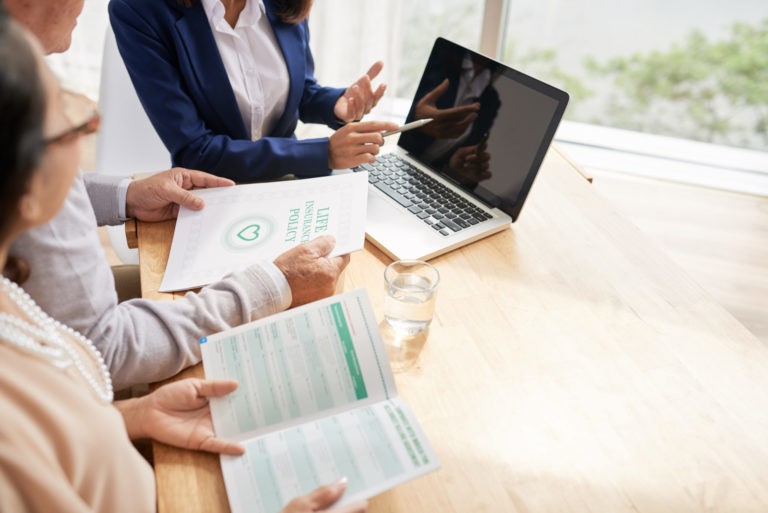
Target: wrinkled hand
x,y
360,98
179,414
310,274
470,165
447,123
319,499
157,197
356,143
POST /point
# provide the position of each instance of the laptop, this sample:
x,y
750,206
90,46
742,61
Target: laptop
x,y
466,174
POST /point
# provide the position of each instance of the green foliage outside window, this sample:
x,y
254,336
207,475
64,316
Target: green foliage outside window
x,y
703,89
712,90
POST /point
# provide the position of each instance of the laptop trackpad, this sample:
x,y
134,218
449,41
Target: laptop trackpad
x,y
399,231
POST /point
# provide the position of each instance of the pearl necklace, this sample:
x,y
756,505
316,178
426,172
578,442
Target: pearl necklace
x,y
44,339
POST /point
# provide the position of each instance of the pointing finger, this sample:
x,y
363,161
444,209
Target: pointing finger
x,y
365,141
375,69
374,126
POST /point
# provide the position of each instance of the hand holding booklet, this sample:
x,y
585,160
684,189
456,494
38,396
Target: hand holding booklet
x,y
243,224
317,401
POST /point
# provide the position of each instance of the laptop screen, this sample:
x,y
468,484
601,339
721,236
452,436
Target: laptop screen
x,y
491,127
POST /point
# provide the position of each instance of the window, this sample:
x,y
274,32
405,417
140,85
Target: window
x,y
682,68
347,37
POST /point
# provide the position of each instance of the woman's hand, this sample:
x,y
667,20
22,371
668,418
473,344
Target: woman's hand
x,y
320,498
356,143
179,414
360,98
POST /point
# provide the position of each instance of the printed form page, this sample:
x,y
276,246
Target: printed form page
x,y
298,365
375,447
243,224
317,401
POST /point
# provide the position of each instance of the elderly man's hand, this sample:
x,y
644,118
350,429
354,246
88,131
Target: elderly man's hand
x,y
158,197
310,273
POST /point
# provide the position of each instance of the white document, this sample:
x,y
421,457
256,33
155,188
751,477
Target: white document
x,y
317,401
244,224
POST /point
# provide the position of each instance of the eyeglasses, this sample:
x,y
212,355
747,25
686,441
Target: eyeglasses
x,y
89,126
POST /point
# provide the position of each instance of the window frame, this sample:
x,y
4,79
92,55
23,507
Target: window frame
x,y
655,156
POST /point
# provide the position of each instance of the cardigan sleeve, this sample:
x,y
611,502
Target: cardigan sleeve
x,y
142,341
104,193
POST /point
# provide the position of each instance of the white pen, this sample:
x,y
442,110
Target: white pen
x,y
408,126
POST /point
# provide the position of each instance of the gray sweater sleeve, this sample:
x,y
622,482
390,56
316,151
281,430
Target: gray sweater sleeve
x,y
103,193
142,341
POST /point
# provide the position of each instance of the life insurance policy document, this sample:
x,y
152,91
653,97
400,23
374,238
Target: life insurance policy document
x,y
244,224
316,402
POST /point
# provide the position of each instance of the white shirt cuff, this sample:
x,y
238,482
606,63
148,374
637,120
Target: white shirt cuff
x,y
122,194
281,284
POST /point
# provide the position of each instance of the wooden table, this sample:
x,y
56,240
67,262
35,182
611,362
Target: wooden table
x,y
571,367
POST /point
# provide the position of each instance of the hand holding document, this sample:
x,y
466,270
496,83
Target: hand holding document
x,y
317,401
244,224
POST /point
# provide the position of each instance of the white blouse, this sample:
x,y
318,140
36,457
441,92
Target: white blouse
x,y
254,64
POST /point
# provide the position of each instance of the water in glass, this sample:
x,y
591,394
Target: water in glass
x,y
409,303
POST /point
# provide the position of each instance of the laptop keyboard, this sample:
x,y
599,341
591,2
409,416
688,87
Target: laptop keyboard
x,y
423,196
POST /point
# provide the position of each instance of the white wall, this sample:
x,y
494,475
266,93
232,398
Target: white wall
x,y
79,68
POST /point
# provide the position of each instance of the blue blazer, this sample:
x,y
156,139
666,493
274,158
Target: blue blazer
x,y
175,66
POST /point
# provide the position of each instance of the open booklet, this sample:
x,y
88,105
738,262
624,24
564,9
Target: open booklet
x,y
243,224
317,401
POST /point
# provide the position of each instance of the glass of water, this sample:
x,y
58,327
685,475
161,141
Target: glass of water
x,y
410,300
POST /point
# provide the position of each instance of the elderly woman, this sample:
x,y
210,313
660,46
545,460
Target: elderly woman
x,y
64,445
225,82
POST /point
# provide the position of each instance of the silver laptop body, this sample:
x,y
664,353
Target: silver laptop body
x,y
403,236
453,182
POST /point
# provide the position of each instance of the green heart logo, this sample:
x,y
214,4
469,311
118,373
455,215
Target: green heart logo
x,y
249,233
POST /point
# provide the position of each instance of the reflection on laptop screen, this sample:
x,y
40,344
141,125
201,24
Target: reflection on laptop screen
x,y
492,125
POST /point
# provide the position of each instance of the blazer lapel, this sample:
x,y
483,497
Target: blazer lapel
x,y
206,65
289,39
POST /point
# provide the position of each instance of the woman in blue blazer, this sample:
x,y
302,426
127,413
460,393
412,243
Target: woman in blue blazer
x,y
171,54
